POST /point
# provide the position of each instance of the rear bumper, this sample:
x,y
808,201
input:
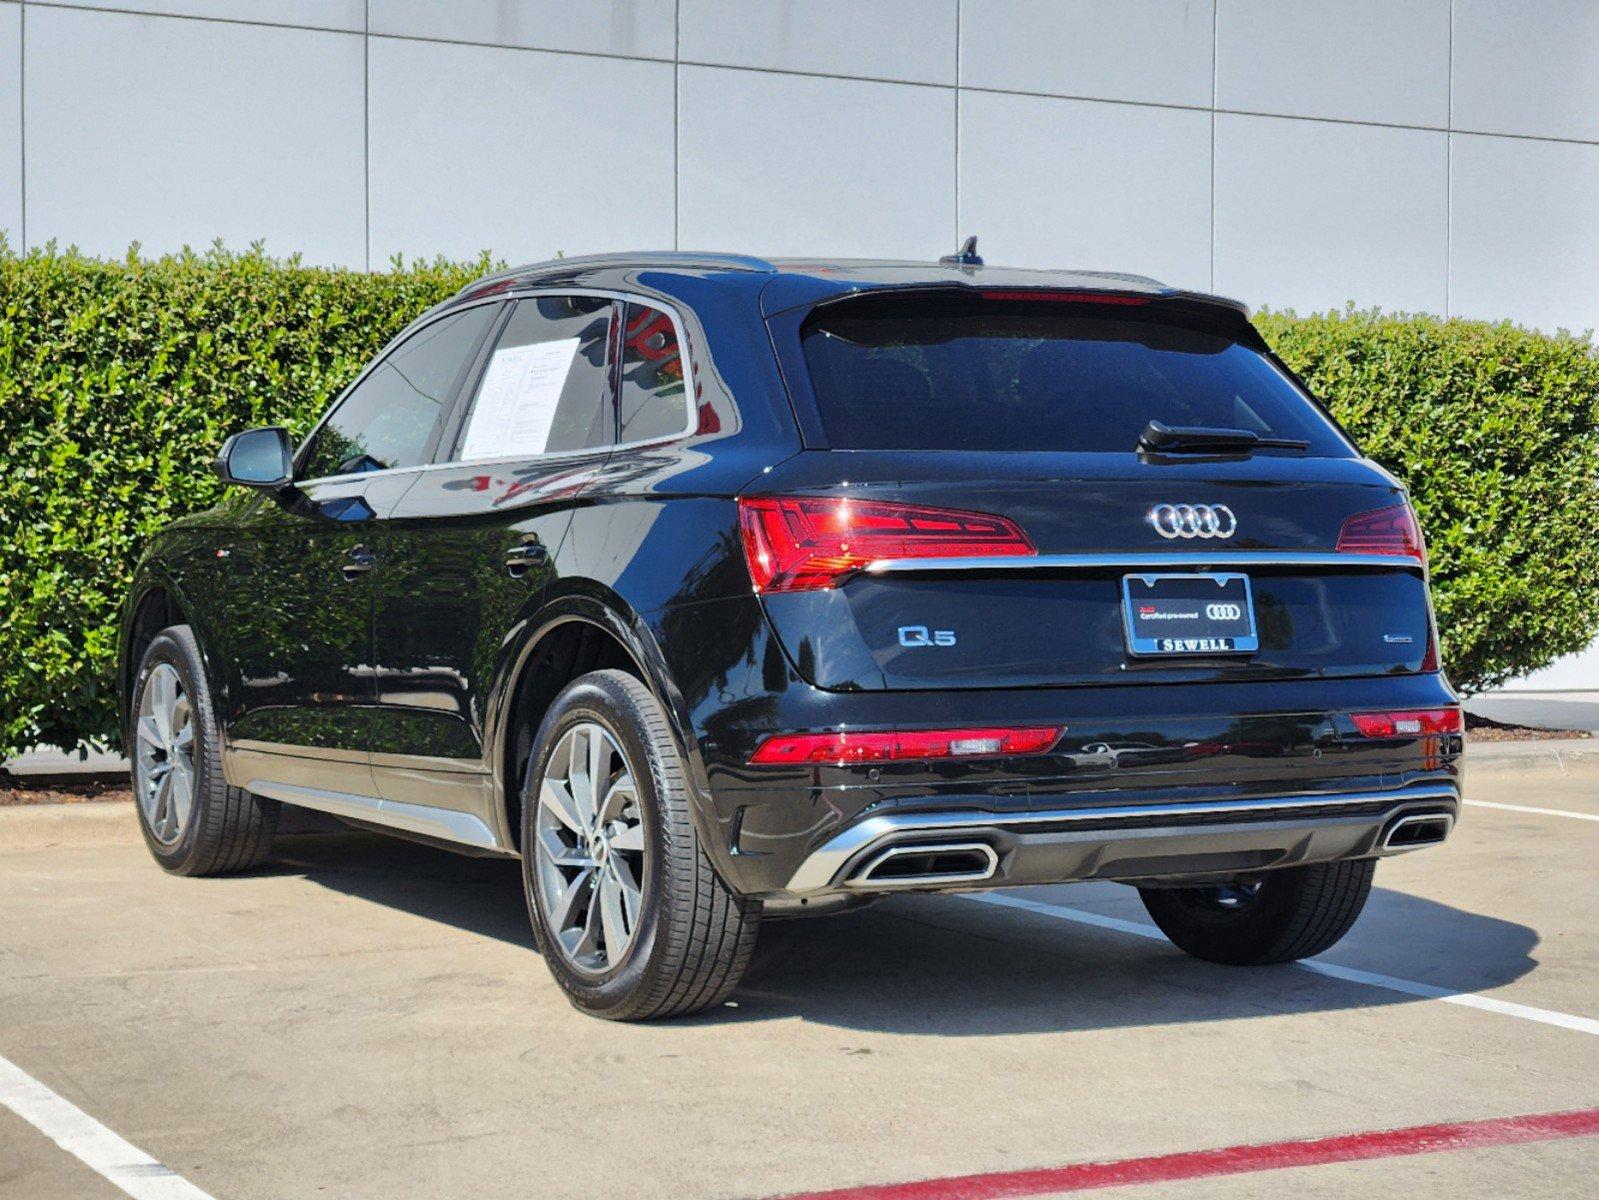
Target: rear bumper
x,y
1171,842
1125,743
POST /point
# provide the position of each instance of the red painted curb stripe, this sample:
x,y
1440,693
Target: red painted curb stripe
x,y
1231,1160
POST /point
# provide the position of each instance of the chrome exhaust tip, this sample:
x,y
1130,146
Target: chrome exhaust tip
x,y
1416,830
920,866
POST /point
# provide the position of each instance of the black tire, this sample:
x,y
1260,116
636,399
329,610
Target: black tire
x,y
1295,913
693,936
228,828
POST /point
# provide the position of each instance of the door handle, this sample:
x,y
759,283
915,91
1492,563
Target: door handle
x,y
524,555
359,561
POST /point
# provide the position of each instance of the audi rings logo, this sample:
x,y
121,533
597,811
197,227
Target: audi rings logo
x,y
1224,612
1193,520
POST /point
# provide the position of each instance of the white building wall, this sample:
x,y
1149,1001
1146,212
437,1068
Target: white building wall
x,y
1435,155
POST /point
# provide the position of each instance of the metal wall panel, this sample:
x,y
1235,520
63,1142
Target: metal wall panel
x,y
177,132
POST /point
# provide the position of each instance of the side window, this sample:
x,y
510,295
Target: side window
x,y
653,401
546,386
389,417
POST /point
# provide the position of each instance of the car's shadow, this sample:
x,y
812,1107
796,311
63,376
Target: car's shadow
x,y
480,895
946,965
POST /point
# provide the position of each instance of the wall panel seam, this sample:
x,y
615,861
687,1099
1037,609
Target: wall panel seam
x,y
444,41
1215,53
1161,105
959,4
366,132
1155,104
677,125
1449,167
22,128
162,16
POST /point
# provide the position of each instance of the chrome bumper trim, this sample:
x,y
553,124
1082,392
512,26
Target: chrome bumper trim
x,y
1151,560
823,865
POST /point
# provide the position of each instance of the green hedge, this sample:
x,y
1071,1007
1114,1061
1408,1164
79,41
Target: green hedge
x,y
1495,429
118,380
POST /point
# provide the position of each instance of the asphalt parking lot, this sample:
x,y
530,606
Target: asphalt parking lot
x,y
368,1018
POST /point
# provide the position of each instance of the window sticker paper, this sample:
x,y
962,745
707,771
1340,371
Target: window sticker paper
x,y
516,404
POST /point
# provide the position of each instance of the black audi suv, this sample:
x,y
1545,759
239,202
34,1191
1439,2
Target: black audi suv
x,y
715,588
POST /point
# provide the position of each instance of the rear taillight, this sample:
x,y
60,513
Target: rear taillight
x,y
1411,723
1392,530
845,747
800,543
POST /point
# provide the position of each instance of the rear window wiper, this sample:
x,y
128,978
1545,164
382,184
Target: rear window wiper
x,y
1203,439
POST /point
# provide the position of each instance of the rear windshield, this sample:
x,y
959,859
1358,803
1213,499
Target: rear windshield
x,y
924,372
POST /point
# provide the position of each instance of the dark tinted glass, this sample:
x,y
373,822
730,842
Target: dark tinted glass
x,y
979,374
652,400
387,420
545,387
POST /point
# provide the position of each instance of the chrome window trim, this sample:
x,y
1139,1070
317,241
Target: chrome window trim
x,y
690,413
1149,560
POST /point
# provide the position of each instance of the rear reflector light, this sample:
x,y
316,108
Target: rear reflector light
x,y
843,747
798,543
1410,724
1384,531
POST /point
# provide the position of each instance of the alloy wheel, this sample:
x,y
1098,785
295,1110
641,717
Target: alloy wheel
x,y
589,849
164,754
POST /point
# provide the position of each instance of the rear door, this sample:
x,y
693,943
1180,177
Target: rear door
x,y
473,540
1027,408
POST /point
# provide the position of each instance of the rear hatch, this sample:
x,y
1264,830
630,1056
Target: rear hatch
x,y
981,506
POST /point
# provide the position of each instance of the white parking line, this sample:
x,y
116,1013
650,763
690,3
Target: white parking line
x,y
1542,812
80,1135
1409,987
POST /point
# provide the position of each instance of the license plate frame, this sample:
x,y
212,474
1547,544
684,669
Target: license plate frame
x,y
1204,635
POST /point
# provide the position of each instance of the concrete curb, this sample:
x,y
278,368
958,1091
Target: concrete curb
x,y
46,762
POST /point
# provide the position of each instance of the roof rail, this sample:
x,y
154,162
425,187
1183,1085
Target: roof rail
x,y
646,258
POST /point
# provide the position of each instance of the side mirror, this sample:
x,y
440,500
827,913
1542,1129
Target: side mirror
x,y
257,458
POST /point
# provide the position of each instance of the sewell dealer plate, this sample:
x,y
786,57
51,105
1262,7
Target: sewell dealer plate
x,y
1189,614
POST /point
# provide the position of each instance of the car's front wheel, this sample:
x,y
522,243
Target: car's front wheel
x,y
630,915
192,820
1277,917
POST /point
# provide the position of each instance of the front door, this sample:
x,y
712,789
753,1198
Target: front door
x,y
295,629
296,620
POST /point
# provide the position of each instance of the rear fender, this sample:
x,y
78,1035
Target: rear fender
x,y
595,605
